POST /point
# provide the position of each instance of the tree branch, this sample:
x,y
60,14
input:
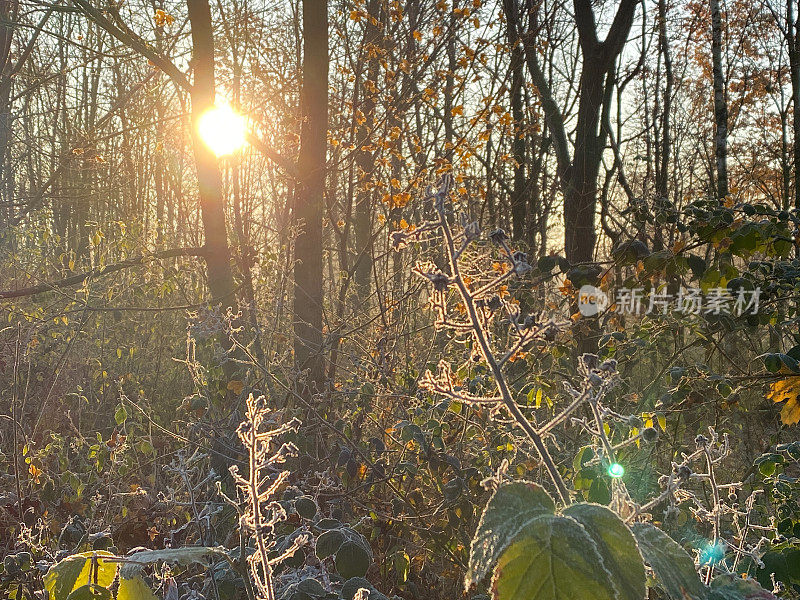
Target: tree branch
x,y
552,112
106,270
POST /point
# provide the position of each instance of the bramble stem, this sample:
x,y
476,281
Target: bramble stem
x,y
500,380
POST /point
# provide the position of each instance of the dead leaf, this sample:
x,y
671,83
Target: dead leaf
x,y
35,473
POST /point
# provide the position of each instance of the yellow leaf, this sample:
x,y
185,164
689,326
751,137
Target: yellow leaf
x,y
787,390
662,422
134,589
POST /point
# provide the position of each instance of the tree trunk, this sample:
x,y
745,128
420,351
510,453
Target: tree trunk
x,y
664,151
309,194
578,172
212,203
519,224
580,200
792,33
8,11
720,102
365,122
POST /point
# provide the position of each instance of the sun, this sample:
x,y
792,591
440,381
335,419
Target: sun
x,y
222,129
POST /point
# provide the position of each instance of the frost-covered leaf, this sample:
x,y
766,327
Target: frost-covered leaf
x,y
311,587
552,558
617,547
731,587
508,511
189,554
673,567
352,559
329,542
352,586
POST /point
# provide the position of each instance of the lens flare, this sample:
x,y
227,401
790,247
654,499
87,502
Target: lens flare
x,y
222,129
712,553
616,470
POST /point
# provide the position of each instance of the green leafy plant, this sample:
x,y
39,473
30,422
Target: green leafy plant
x,y
534,549
584,552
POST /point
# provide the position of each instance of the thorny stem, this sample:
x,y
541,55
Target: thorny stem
x,y
716,510
259,499
671,487
255,506
500,381
601,431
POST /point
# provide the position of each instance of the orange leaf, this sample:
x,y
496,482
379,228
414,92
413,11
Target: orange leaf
x,y
787,390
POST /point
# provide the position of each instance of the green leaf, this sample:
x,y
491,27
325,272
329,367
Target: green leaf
x,y
76,571
305,507
352,559
599,491
546,264
767,463
616,545
772,362
328,543
184,556
90,592
552,558
784,563
310,586
673,567
402,564
508,511
120,414
731,587
696,263
134,589
60,579
352,585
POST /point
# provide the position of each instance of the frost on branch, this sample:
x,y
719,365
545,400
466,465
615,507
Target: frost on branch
x,y
259,433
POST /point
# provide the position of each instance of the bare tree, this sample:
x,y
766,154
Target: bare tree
x,y
578,169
